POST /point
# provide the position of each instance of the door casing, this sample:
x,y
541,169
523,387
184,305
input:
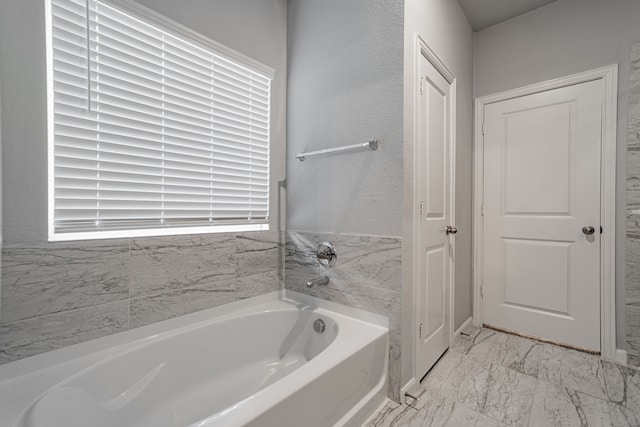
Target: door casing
x,y
609,77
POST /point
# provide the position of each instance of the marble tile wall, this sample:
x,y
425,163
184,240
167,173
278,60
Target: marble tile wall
x,y
367,275
632,308
58,294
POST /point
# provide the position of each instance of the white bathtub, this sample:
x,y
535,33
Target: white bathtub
x,y
256,362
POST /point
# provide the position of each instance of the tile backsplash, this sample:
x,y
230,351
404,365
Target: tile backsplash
x,y
58,294
632,300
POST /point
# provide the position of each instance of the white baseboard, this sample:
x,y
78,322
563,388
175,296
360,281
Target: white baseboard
x,y
621,356
410,387
466,324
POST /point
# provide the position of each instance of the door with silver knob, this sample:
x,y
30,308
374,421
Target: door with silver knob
x,y
541,251
435,248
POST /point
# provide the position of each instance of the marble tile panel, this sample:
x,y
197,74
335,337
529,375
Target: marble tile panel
x,y
366,260
393,378
433,411
49,278
160,264
177,302
632,316
559,406
634,69
258,284
633,180
632,271
259,252
40,334
633,361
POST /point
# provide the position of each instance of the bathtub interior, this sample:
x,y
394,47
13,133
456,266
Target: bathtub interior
x,y
243,363
156,384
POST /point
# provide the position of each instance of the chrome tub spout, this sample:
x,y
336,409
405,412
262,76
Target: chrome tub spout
x,y
322,280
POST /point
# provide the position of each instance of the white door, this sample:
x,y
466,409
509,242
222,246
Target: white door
x,y
434,189
542,214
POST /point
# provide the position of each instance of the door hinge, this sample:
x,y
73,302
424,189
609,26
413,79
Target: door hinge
x,y
482,291
421,208
421,85
420,333
483,129
601,231
482,210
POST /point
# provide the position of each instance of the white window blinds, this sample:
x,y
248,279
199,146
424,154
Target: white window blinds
x,y
151,129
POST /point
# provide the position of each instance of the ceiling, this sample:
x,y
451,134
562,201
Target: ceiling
x,y
485,13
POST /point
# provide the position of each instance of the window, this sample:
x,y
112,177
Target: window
x,y
153,130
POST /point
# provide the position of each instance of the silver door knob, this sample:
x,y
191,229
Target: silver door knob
x,y
588,229
451,229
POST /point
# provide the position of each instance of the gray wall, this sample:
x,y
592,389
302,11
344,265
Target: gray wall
x,y
444,28
57,294
345,87
560,39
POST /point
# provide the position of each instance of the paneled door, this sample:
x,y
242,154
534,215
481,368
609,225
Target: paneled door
x,y
434,189
541,209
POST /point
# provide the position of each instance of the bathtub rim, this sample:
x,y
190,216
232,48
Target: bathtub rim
x,y
113,342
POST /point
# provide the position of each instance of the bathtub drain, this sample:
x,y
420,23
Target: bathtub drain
x,y
318,326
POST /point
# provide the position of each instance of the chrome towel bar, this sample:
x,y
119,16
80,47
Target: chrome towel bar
x,y
372,145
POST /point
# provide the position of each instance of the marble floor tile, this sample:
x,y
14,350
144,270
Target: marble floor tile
x,y
519,354
554,405
451,371
477,344
582,372
501,393
430,410
489,379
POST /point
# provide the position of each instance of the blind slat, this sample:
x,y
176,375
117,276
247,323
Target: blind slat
x,y
151,129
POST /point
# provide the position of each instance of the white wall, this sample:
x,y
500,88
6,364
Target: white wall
x,y
345,87
256,28
560,39
444,27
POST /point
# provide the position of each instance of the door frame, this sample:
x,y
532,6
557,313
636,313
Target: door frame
x,y
609,77
422,48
